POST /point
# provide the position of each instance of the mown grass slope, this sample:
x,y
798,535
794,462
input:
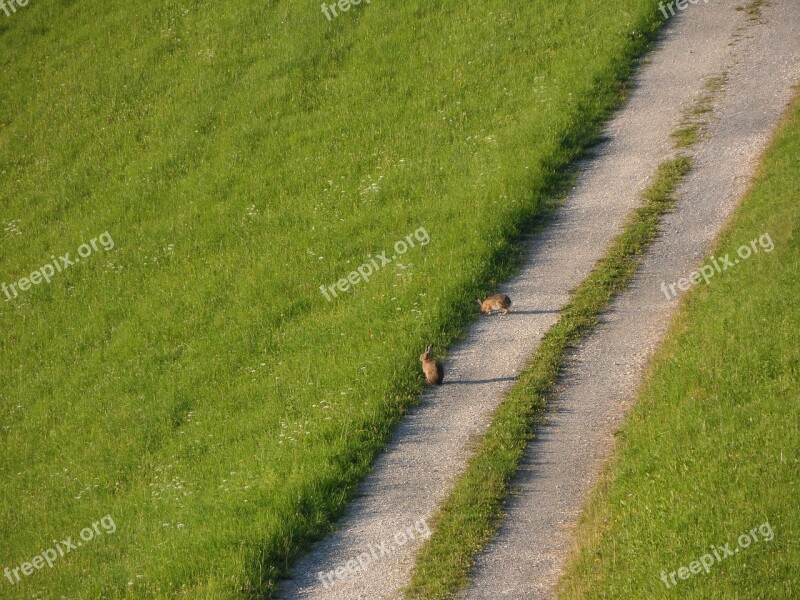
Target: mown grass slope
x,y
710,457
193,382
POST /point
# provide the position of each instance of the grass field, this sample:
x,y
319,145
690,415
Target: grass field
x,y
710,457
192,384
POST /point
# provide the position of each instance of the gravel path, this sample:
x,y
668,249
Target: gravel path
x,y
562,465
386,523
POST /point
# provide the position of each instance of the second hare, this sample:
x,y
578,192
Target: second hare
x,y
496,302
433,369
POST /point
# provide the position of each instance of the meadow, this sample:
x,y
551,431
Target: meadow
x,y
192,383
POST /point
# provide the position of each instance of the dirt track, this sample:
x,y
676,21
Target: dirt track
x,y
432,444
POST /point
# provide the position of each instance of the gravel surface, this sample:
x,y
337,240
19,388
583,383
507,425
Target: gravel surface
x,y
562,465
386,523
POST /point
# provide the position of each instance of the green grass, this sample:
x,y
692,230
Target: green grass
x,y
193,382
695,121
712,449
470,515
754,9
686,136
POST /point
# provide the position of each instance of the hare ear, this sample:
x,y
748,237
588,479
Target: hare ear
x,y
478,300
428,349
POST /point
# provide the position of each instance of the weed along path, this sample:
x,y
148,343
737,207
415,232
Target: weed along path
x,y
372,553
563,462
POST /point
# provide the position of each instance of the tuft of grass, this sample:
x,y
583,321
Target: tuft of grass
x,y
754,9
469,517
688,135
695,119
711,451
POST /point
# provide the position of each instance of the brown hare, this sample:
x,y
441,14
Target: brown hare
x,y
496,302
433,369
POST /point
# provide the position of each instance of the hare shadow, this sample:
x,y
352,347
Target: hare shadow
x,y
479,381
